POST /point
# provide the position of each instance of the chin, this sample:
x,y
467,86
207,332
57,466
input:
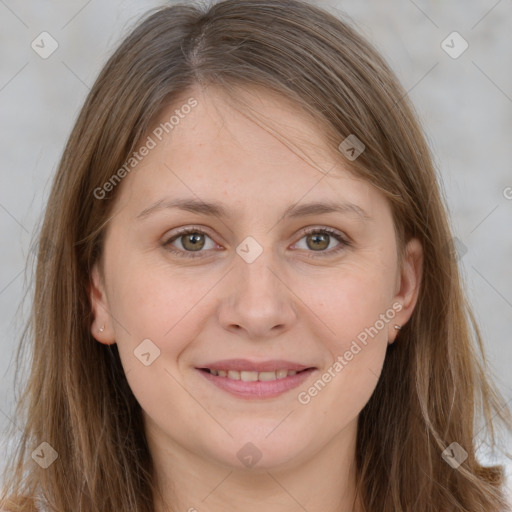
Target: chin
x,y
257,453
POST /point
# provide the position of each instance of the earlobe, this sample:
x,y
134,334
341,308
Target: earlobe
x,y
101,327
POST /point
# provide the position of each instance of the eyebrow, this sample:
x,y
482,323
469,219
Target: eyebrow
x,y
219,211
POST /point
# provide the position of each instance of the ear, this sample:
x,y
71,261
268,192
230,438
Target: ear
x,y
408,285
101,327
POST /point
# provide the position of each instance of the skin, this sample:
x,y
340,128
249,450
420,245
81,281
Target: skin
x,y
283,305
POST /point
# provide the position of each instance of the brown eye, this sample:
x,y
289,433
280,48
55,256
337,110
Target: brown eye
x,y
189,242
318,241
193,241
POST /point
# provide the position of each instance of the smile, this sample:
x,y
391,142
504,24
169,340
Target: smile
x,y
256,385
247,376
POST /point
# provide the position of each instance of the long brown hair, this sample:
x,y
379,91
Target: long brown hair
x,y
434,384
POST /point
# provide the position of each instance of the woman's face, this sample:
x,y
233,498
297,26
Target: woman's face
x,y
263,277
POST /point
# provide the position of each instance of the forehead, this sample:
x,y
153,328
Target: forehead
x,y
266,153
256,125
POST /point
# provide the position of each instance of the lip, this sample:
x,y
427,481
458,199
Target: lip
x,y
254,366
258,389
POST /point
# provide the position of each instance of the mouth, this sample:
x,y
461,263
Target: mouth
x,y
256,384
253,376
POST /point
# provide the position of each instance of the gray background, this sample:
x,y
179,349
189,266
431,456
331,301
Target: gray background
x,y
465,105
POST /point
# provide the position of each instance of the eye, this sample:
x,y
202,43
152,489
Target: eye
x,y
319,239
191,240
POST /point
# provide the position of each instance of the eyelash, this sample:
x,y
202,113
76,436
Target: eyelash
x,y
344,243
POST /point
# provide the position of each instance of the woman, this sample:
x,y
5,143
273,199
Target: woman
x,y
251,295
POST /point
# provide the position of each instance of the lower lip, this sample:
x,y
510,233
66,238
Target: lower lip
x,y
258,389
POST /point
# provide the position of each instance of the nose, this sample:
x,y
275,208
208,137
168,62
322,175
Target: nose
x,y
257,301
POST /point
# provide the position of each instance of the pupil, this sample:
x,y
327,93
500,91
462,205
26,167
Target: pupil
x,y
195,241
322,238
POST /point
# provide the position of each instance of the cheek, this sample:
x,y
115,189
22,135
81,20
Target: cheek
x,y
360,318
150,302
157,303
353,299
356,305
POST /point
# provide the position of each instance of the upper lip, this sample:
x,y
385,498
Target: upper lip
x,y
255,366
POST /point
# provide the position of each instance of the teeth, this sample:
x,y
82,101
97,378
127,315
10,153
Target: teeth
x,y
249,376
268,375
246,376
